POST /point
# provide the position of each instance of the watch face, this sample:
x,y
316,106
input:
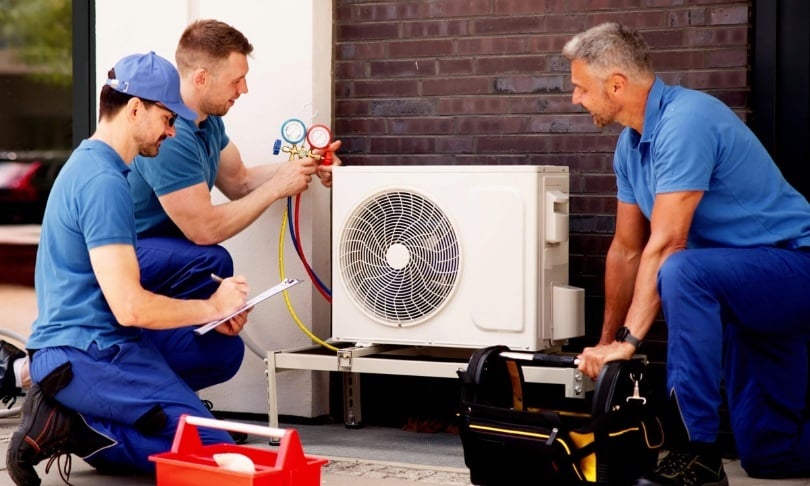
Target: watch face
x,y
293,131
623,336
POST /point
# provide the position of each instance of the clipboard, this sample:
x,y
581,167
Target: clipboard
x,y
278,288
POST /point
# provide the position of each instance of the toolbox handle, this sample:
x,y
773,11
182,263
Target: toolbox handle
x,y
187,439
235,427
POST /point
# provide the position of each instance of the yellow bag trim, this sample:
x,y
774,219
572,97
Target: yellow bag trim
x,y
522,433
588,463
517,389
624,431
643,429
647,438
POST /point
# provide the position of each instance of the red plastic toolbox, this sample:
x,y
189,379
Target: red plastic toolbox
x,y
192,463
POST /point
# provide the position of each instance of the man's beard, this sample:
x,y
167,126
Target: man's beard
x,y
150,149
607,115
215,110
601,121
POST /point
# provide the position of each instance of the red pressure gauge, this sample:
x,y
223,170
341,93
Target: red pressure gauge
x,y
319,137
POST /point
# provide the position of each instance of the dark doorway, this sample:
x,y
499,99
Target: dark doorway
x,y
780,102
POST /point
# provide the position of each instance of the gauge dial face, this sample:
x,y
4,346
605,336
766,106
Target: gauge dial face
x,y
293,131
319,136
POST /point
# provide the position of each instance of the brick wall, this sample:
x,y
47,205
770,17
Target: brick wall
x,y
483,82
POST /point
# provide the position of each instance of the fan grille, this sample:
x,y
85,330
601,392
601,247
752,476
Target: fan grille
x,y
399,257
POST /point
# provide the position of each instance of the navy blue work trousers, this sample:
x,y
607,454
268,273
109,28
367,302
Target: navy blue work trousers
x,y
742,317
135,392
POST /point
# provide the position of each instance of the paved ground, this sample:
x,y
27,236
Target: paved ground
x,y
362,470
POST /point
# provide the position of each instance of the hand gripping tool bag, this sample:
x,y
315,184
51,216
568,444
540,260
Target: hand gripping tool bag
x,y
510,440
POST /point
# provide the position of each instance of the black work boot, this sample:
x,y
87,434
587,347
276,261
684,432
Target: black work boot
x,y
8,387
48,430
692,467
44,432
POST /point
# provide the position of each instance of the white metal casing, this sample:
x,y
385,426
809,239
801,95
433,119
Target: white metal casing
x,y
511,225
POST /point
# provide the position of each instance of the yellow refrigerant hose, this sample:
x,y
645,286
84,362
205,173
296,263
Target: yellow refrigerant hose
x,y
286,296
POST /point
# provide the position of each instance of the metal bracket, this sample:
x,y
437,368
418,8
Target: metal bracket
x,y
395,360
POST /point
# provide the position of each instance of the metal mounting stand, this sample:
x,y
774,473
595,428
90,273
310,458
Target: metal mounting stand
x,y
352,360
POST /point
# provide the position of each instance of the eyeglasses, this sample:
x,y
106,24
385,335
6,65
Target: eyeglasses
x,y
172,118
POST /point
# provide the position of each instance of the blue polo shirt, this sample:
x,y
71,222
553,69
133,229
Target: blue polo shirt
x,y
188,158
692,141
89,206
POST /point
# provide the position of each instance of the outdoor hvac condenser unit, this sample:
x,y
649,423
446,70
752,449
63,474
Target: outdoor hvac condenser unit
x,y
453,256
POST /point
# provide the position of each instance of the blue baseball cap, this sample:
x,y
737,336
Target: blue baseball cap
x,y
152,78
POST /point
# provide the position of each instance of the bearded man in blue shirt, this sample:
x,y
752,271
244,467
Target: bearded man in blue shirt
x,y
709,232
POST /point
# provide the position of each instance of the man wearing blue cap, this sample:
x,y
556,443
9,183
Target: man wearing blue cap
x,y
104,389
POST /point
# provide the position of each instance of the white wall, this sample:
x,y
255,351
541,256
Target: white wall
x,y
290,76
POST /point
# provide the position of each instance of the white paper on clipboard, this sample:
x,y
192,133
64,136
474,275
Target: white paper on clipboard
x,y
278,288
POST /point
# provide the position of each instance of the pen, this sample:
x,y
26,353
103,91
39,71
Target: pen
x,y
216,278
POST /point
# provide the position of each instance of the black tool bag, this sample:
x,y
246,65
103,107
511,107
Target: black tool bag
x,y
509,442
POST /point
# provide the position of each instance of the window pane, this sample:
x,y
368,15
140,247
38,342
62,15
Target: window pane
x,y
36,130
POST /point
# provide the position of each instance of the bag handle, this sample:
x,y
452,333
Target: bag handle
x,y
542,359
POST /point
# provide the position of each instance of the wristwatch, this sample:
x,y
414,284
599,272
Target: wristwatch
x,y
623,336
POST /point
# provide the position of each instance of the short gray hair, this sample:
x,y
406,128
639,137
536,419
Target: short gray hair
x,y
609,46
